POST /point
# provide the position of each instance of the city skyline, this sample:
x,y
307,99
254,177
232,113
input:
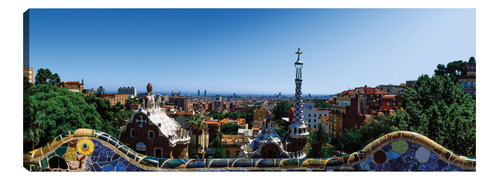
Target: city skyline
x,y
247,50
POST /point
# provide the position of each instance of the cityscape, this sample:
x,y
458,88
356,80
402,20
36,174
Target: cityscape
x,y
123,95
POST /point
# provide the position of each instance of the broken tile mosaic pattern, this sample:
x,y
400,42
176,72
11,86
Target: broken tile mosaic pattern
x,y
91,150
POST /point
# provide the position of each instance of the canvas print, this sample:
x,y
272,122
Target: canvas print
x,y
210,90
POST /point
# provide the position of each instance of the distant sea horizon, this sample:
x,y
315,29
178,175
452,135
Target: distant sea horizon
x,y
228,94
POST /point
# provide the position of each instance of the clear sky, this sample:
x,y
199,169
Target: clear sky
x,y
247,50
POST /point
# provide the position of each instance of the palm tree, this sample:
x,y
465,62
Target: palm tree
x,y
100,90
197,126
34,131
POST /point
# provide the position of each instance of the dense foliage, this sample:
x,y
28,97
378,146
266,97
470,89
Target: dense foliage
x,y
280,110
45,76
220,153
319,144
436,107
230,128
216,141
129,102
50,110
453,69
321,104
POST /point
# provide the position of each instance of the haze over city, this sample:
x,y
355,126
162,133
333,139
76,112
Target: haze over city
x,y
247,50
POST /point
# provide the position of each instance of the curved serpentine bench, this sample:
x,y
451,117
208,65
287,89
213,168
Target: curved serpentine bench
x,y
92,150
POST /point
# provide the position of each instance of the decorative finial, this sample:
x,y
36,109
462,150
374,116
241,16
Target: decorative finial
x,y
298,52
149,87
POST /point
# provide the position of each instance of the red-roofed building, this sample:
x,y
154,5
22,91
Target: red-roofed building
x,y
74,86
390,102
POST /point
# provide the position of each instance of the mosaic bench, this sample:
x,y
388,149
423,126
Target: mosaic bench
x,y
92,150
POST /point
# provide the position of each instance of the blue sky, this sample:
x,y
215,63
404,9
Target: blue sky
x,y
247,50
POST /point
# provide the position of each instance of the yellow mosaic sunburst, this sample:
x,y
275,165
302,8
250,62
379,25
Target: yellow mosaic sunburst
x,y
85,146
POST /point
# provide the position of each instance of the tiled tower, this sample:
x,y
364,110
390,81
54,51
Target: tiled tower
x,y
298,129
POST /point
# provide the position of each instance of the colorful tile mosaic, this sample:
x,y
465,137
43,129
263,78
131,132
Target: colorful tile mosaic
x,y
91,150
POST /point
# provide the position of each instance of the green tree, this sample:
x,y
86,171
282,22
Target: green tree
x,y
129,102
197,125
45,76
121,117
280,110
230,115
216,141
216,115
318,140
436,107
230,128
100,91
321,104
441,70
220,153
351,140
102,105
282,128
51,110
452,69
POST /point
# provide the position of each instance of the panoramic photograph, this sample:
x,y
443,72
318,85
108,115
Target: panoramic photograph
x,y
241,89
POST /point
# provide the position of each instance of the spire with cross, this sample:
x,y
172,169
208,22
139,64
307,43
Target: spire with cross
x,y
298,53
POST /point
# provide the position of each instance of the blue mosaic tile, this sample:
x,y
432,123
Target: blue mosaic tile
x,y
430,164
406,158
376,167
433,157
391,155
424,167
96,167
398,165
455,168
243,163
441,163
172,163
386,166
102,159
266,163
108,168
365,166
102,164
110,154
114,162
115,157
437,167
132,167
151,160
124,162
121,167
218,163
387,147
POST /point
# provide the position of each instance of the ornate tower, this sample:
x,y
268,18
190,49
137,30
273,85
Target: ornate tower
x,y
298,128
